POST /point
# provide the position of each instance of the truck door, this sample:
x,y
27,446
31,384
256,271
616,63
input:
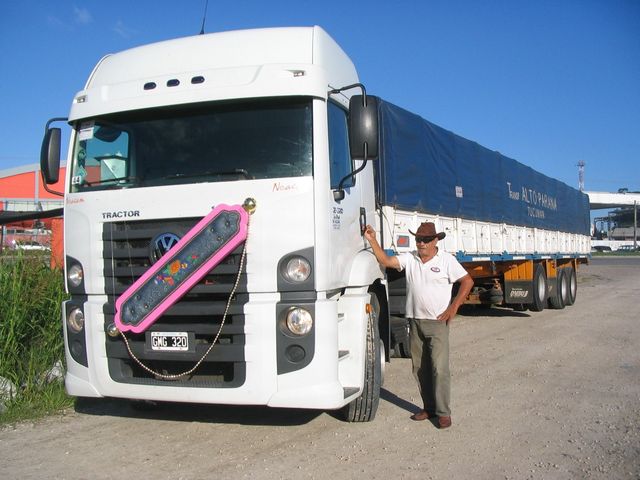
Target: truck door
x,y
348,214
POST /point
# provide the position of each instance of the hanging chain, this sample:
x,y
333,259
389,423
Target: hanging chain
x,y
215,339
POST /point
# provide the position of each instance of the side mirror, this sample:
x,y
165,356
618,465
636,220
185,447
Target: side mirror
x,y
50,156
363,127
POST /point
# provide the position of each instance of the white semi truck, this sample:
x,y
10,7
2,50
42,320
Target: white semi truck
x,y
298,314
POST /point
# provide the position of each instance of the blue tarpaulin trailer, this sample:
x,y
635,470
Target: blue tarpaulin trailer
x,y
425,168
520,234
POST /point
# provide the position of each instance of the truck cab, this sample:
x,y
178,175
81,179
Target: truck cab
x,y
163,133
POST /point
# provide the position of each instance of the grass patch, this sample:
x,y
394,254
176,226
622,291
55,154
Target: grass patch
x,y
31,341
37,403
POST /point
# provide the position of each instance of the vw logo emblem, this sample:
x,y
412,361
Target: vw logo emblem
x,y
161,244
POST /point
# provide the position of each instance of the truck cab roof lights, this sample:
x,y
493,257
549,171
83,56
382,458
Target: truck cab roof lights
x,y
174,82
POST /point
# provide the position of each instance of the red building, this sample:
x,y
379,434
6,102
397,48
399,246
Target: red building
x,y
22,191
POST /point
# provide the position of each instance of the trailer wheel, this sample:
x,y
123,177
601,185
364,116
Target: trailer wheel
x,y
402,349
363,408
572,285
558,300
539,289
401,337
565,286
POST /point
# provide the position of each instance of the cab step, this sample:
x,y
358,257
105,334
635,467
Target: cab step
x,y
348,391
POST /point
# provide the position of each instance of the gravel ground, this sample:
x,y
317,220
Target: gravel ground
x,y
548,395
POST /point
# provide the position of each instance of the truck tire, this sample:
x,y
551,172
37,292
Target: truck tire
x,y
565,287
363,408
572,285
401,337
539,289
402,349
557,300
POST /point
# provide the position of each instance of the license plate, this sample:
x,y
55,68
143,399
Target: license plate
x,y
169,341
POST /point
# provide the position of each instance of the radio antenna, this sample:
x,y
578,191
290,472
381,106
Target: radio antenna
x,y
204,17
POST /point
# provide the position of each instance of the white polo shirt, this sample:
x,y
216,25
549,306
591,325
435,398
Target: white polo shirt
x,y
429,284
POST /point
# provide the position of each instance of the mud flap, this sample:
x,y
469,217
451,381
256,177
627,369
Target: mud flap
x,y
518,291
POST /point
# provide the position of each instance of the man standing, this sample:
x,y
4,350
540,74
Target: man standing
x,y
430,275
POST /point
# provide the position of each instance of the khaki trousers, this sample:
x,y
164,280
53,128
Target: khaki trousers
x,y
430,359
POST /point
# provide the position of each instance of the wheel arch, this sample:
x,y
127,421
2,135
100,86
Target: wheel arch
x,y
366,271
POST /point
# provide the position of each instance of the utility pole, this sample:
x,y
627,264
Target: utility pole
x,y
581,165
635,224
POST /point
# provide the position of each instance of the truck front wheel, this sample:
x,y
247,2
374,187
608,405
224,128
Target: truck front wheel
x,y
363,408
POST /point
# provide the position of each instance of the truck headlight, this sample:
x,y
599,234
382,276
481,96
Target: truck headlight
x,y
297,269
75,274
299,321
75,320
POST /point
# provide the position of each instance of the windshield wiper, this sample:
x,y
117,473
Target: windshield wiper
x,y
120,180
211,173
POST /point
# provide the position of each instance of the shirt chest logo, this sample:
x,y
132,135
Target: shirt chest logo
x,y
435,269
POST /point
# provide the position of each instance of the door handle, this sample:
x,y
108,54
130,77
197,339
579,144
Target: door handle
x,y
363,221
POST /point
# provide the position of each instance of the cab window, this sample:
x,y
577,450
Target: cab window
x,y
339,157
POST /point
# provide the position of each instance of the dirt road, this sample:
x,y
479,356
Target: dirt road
x,y
549,395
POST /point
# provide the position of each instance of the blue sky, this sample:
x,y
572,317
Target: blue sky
x,y
548,83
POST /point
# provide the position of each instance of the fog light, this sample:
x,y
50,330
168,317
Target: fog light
x,y
299,321
75,275
75,320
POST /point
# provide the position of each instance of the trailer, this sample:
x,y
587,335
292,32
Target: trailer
x,y
520,234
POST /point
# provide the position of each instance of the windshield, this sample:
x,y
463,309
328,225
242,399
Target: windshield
x,y
213,142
